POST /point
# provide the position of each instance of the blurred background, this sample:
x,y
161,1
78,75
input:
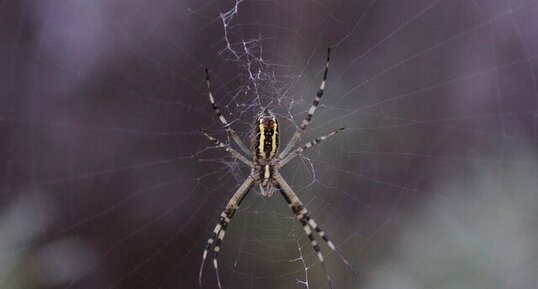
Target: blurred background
x,y
106,182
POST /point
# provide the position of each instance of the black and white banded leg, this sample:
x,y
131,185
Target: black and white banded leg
x,y
222,119
297,210
308,145
325,238
222,225
299,133
227,148
308,224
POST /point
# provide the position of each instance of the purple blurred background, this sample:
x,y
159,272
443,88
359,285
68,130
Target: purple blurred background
x,y
106,182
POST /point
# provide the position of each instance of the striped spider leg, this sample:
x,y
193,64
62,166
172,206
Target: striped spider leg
x,y
264,165
308,145
221,117
300,131
227,148
220,228
302,214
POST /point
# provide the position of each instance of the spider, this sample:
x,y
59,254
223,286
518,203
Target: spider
x,y
265,164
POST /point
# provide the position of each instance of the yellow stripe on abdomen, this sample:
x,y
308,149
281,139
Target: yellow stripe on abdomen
x,y
261,141
274,140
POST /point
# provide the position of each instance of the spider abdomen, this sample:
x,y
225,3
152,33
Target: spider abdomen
x,y
266,140
265,148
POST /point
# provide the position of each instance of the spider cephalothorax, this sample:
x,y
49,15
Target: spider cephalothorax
x,y
264,164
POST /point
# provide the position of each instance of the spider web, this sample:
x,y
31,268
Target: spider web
x,y
106,181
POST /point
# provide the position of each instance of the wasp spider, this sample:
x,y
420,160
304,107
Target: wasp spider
x,y
265,164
